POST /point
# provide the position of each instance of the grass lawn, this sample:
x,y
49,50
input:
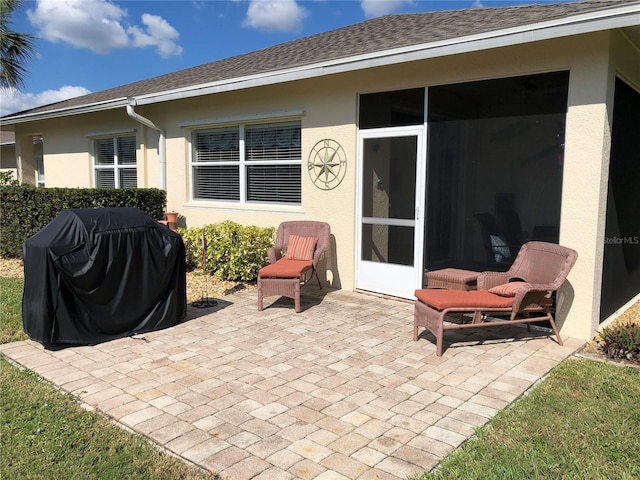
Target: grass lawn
x,y
581,422
44,434
11,310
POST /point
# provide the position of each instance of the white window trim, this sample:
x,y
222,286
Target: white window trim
x,y
116,167
247,120
126,132
243,166
39,161
269,117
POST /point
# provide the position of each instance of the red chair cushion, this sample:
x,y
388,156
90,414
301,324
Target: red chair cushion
x,y
442,299
286,268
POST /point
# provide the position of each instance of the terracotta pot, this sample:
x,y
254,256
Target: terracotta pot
x,y
172,220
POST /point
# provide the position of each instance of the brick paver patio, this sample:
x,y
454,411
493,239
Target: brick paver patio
x,y
339,391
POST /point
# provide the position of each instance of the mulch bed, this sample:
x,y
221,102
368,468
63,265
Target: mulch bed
x,y
591,350
198,284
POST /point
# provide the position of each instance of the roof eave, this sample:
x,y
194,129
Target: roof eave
x,y
618,17
578,24
65,112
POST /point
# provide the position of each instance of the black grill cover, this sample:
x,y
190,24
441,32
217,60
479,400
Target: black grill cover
x,y
92,275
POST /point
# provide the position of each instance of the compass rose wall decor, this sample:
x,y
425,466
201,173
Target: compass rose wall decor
x,y
327,164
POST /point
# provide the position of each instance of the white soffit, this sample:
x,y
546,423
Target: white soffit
x,y
633,33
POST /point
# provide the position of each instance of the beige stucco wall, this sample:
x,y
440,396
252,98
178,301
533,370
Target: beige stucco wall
x,y
330,111
68,147
325,116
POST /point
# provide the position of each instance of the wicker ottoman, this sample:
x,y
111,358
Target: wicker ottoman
x,y
453,279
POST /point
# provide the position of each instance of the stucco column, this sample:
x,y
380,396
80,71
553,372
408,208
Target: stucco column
x,y
26,162
584,192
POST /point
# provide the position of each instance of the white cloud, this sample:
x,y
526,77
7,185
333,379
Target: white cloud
x,y
101,26
378,8
160,34
93,25
12,100
275,15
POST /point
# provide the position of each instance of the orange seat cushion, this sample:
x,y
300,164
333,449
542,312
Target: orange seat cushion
x,y
286,268
443,299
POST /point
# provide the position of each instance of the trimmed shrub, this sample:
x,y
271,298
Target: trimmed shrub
x,y
621,341
234,252
7,180
24,209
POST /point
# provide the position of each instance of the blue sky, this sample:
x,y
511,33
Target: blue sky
x,y
90,45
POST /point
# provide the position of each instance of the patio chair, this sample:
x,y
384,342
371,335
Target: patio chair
x,y
523,294
294,259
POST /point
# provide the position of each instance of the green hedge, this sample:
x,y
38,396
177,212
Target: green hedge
x,y
234,252
24,210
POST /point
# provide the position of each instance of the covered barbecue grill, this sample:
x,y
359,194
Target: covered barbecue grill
x,y
93,275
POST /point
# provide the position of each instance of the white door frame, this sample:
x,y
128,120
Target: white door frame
x,y
386,278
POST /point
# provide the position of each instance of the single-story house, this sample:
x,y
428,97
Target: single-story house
x,y
426,140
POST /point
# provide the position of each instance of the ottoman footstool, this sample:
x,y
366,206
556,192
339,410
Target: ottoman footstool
x,y
453,279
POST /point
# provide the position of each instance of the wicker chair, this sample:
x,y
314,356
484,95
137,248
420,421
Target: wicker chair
x,y
523,294
285,274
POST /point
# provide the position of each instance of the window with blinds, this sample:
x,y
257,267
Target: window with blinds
x,y
248,163
115,162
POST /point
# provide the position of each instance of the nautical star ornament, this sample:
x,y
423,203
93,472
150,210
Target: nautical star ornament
x,y
327,164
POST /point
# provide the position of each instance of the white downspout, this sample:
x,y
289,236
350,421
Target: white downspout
x,y
161,141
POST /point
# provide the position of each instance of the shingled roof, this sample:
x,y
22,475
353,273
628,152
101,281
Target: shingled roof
x,y
370,37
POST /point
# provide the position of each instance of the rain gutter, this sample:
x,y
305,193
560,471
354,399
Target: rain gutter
x,y
162,161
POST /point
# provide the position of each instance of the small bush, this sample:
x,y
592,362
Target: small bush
x,y
621,341
7,180
234,252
